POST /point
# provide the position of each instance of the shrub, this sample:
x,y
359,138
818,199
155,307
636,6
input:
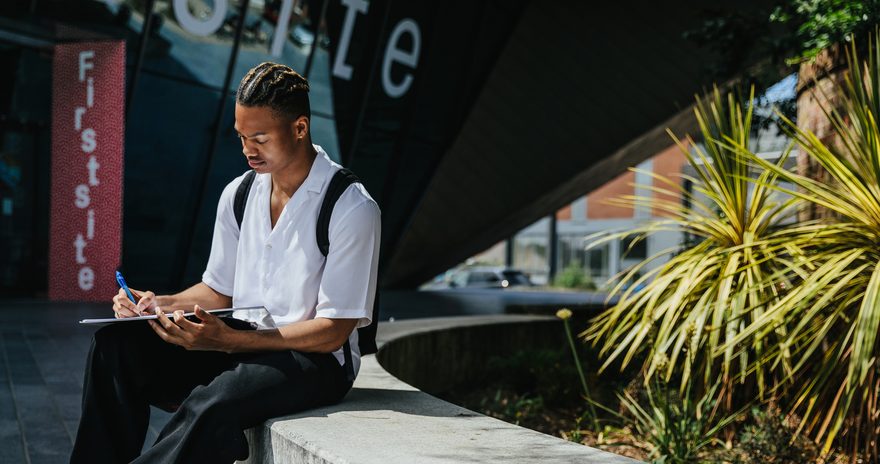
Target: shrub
x,y
770,439
574,277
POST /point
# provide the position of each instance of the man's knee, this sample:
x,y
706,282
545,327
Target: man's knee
x,y
210,403
107,335
118,337
111,333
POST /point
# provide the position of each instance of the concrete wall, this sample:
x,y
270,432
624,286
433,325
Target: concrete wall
x,y
440,360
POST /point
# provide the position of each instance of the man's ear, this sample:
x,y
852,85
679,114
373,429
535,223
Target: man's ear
x,y
300,128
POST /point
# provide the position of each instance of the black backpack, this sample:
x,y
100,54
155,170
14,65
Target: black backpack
x,y
340,181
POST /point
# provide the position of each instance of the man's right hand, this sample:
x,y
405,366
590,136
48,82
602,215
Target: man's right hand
x,y
123,307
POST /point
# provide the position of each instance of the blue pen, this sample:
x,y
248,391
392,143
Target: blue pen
x,y
122,284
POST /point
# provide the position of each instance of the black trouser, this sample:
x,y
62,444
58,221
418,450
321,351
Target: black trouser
x,y
219,396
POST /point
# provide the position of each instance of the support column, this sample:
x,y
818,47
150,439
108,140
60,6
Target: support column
x,y
551,255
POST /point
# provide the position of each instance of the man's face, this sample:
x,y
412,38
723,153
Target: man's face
x,y
268,141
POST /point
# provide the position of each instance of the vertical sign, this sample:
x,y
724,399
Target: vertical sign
x,y
88,106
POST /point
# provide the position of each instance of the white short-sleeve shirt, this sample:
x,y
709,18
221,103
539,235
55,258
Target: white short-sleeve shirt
x,y
282,269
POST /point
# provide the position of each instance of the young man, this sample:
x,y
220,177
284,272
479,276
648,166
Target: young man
x,y
224,377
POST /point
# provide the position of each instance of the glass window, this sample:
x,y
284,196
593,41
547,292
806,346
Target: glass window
x,y
189,45
598,263
571,251
530,256
24,198
633,248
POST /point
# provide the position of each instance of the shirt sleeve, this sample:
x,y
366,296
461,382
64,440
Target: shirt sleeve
x,y
348,285
220,271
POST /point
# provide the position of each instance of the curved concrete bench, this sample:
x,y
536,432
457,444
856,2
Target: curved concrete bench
x,y
384,420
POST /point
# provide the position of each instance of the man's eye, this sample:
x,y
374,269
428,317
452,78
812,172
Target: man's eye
x,y
260,142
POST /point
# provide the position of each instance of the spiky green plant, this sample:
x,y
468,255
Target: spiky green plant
x,y
679,314
678,427
791,307
832,316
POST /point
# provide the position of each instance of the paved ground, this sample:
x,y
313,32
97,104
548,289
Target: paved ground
x,y
42,356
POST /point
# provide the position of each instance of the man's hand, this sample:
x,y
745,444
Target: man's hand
x,y
123,307
210,334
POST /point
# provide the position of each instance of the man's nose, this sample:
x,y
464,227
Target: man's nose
x,y
246,148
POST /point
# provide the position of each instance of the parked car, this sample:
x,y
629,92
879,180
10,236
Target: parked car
x,y
489,277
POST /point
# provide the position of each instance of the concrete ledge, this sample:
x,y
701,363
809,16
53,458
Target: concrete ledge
x,y
384,420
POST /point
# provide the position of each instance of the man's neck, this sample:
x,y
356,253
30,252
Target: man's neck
x,y
287,180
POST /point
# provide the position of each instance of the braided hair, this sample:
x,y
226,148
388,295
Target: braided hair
x,y
278,87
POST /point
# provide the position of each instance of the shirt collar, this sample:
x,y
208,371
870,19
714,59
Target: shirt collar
x,y
318,174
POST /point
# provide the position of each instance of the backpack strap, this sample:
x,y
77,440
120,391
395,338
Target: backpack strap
x,y
340,181
338,184
241,196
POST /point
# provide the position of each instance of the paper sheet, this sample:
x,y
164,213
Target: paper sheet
x,y
217,312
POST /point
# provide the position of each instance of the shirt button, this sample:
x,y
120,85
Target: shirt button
x,y
269,245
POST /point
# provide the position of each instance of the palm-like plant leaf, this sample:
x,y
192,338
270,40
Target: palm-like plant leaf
x,y
833,315
758,301
696,304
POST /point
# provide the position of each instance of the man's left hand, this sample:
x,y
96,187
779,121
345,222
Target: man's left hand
x,y
210,334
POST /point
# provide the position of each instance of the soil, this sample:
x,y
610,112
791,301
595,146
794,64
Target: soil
x,y
558,420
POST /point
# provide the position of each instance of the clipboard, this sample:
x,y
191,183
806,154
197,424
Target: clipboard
x,y
223,312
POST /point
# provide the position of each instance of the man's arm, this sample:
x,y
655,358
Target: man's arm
x,y
321,335
199,294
